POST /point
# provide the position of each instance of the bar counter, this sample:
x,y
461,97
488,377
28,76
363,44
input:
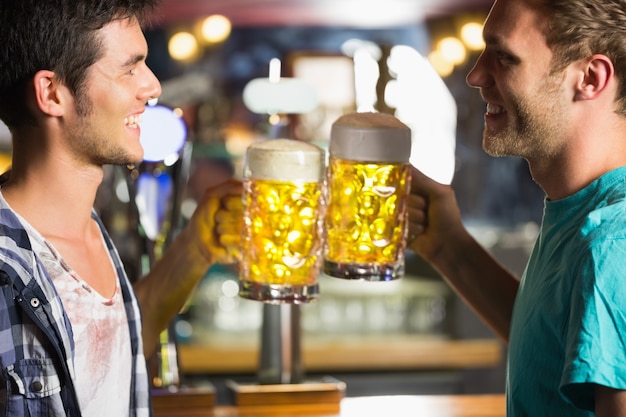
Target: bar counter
x,y
490,405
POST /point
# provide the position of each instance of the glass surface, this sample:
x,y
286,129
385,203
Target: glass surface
x,y
366,220
282,240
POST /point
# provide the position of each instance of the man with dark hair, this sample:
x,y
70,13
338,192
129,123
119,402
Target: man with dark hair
x,y
553,75
73,86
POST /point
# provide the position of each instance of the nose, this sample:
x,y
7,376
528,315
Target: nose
x,y
152,86
478,76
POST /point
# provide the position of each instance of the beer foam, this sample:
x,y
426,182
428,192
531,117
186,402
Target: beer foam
x,y
285,160
370,120
376,137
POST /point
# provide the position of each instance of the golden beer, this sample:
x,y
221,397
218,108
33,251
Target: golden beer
x,y
368,186
282,242
366,211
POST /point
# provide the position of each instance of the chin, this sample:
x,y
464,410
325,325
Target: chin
x,y
135,158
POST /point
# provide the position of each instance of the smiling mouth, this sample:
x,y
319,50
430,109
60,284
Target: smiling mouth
x,y
132,121
494,109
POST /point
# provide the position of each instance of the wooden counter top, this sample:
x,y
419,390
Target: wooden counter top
x,y
398,406
372,354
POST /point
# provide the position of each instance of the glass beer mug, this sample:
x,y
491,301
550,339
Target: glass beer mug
x,y
368,185
283,201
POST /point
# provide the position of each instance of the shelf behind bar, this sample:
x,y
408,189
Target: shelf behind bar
x,y
372,354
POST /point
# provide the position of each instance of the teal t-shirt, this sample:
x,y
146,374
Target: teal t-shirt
x,y
568,330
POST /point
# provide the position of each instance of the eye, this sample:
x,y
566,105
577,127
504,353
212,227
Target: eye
x,y
506,58
130,69
502,56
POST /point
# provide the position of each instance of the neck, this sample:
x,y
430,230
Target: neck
x,y
54,195
589,141
581,163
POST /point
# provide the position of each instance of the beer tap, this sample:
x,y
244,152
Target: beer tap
x,y
280,359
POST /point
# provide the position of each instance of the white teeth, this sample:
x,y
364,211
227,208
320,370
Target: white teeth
x,y
132,121
494,109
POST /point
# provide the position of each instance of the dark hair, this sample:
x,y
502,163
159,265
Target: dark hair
x,y
581,28
55,35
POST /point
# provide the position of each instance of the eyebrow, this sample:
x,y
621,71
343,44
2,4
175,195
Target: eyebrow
x,y
133,60
491,39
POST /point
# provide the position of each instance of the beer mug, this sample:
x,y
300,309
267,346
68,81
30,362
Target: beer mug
x,y
284,204
368,185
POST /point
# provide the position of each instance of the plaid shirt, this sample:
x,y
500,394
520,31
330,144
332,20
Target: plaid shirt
x,y
36,342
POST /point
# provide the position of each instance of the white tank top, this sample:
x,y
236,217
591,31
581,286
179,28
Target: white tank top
x,y
103,359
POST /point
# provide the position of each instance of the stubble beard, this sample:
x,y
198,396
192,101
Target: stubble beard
x,y
533,125
90,141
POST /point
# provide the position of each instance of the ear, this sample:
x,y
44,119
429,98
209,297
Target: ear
x,y
597,74
47,93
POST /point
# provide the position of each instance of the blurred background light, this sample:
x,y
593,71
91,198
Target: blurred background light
x,y
183,46
443,67
452,49
472,36
215,29
163,134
